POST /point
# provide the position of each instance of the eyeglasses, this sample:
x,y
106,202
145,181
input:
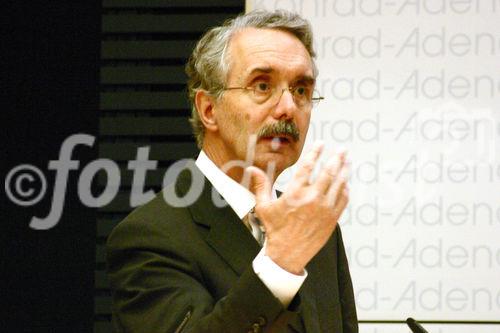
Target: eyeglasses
x,y
264,92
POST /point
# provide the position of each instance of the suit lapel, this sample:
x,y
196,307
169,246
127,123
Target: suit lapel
x,y
308,309
228,236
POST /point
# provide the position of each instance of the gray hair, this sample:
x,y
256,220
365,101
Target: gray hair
x,y
208,66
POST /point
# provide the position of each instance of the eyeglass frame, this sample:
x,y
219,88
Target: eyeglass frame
x,y
314,101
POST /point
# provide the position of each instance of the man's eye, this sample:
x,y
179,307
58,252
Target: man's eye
x,y
262,87
302,91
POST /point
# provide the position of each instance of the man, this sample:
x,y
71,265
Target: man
x,y
195,266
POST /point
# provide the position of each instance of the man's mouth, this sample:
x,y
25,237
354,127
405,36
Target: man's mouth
x,y
278,139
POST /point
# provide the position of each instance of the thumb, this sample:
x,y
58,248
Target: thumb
x,y
260,184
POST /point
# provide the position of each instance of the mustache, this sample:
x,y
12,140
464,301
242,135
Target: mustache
x,y
282,127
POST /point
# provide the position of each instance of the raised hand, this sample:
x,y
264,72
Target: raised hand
x,y
299,222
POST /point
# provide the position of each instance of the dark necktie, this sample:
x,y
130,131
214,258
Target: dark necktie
x,y
261,234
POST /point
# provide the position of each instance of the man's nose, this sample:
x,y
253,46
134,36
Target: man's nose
x,y
285,106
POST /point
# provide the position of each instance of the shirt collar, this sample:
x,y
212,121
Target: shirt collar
x,y
239,198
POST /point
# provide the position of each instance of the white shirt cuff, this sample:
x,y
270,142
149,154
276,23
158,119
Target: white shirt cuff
x,y
283,284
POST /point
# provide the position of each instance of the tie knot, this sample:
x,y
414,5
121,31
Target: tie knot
x,y
261,235
255,219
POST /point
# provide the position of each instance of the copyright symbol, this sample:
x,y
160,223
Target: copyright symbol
x,y
25,185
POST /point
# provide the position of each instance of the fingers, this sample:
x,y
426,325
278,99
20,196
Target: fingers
x,y
306,167
338,188
330,171
341,203
260,184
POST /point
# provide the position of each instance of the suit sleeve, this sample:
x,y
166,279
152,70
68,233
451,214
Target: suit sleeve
x,y
349,316
157,288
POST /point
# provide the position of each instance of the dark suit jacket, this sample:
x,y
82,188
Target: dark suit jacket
x,y
189,269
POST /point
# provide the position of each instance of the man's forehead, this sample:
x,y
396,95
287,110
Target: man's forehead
x,y
261,50
255,39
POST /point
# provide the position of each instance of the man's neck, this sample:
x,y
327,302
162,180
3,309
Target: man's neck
x,y
234,169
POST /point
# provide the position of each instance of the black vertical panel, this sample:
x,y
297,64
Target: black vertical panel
x,y
145,45
49,91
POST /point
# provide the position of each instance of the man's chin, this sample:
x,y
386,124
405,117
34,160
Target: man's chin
x,y
274,163
276,155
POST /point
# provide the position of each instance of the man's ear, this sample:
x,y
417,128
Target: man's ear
x,y
205,105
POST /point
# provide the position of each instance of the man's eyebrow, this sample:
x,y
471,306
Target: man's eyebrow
x,y
265,70
306,79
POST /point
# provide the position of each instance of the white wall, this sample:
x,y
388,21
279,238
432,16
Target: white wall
x,y
413,91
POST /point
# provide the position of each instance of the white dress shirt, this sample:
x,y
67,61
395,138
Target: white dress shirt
x,y
283,284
